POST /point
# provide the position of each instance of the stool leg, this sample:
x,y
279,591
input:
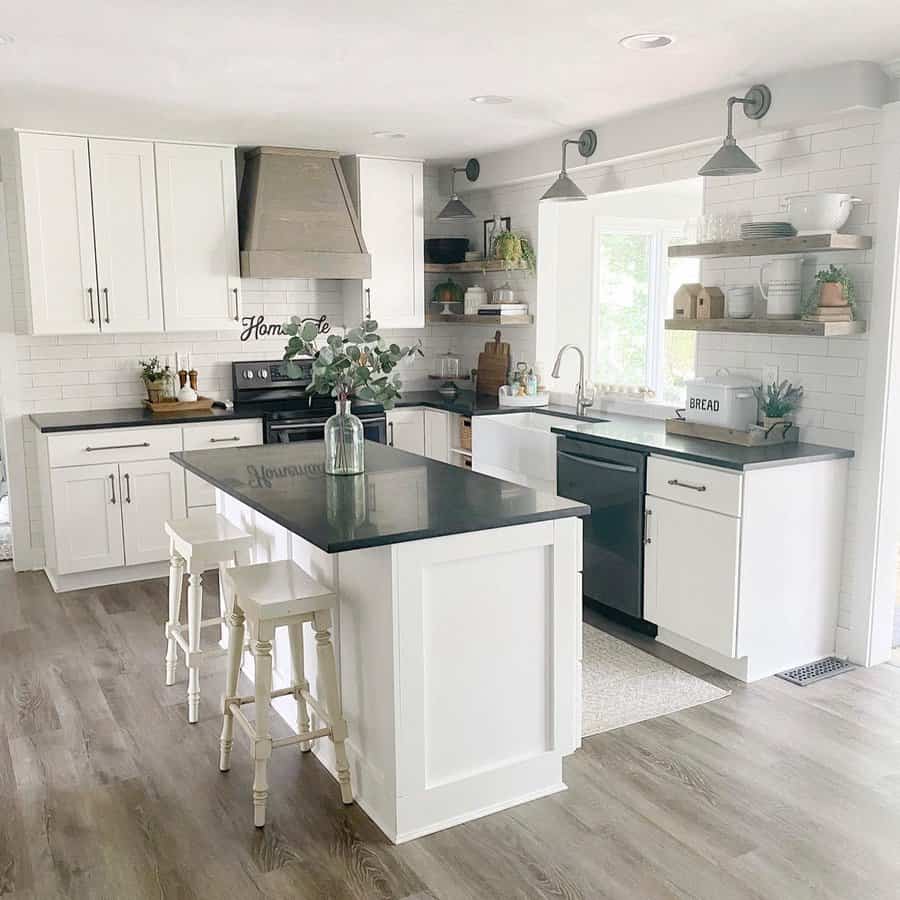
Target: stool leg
x,y
235,651
328,675
195,613
176,578
262,745
295,632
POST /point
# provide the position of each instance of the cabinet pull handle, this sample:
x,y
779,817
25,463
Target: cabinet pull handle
x,y
684,484
106,301
237,305
112,485
127,488
90,291
116,447
223,440
647,514
368,303
390,434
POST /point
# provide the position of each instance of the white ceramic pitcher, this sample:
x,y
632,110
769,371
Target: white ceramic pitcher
x,y
781,283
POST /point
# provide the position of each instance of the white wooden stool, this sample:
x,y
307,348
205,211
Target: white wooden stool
x,y
203,542
269,595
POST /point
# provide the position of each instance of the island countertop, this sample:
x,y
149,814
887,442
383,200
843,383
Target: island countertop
x,y
401,497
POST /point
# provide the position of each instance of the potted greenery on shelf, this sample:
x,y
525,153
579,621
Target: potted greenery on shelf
x,y
834,287
514,248
777,402
154,377
357,364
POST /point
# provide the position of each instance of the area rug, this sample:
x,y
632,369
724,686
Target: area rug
x,y
622,685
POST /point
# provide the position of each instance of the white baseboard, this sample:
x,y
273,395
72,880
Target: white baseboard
x,y
102,577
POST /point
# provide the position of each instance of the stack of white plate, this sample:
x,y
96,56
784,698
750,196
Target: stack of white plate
x,y
760,230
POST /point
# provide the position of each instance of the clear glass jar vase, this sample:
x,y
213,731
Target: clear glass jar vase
x,y
344,442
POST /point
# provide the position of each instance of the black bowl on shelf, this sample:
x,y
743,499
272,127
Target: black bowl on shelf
x,y
446,250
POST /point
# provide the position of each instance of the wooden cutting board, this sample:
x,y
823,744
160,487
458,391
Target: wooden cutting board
x,y
493,365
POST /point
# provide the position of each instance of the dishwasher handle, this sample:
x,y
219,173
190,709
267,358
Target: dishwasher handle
x,y
599,463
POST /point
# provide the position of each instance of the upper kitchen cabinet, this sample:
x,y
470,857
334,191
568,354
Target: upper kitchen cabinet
x,y
388,194
198,236
123,185
60,268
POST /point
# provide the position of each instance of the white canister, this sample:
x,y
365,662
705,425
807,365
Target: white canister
x,y
780,282
474,297
739,301
724,400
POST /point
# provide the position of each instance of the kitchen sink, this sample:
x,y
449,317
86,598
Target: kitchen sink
x,y
520,447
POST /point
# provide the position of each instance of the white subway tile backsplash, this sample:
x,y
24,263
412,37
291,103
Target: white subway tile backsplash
x,y
843,137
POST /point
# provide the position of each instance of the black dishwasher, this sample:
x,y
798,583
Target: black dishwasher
x,y
612,481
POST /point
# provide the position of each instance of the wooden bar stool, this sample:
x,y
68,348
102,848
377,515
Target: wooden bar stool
x,y
270,595
203,542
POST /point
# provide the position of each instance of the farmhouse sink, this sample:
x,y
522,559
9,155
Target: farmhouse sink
x,y
520,447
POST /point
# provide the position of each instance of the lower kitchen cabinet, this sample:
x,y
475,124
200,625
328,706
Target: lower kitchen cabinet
x,y
742,568
437,435
691,573
152,492
87,521
406,430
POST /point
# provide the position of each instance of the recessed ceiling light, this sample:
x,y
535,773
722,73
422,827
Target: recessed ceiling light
x,y
6,39
389,135
649,41
491,99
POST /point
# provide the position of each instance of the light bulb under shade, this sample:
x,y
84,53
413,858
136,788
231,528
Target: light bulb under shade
x,y
729,159
563,190
455,209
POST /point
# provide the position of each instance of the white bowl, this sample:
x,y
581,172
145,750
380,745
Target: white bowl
x,y
818,213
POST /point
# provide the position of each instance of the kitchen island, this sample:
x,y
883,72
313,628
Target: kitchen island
x,y
458,631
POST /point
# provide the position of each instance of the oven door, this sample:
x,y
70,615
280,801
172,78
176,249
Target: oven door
x,y
287,431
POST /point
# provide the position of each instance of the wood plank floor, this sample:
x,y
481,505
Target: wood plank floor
x,y
106,792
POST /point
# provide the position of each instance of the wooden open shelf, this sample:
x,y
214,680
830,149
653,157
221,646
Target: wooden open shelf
x,y
457,319
767,326
807,243
475,266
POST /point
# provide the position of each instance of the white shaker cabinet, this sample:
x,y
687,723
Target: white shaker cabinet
x,y
87,522
198,237
437,435
153,492
406,430
123,183
389,199
59,233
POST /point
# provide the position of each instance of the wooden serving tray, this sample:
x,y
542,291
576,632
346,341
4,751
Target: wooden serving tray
x,y
176,406
779,434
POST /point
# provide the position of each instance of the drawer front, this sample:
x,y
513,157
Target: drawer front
x,y
208,436
705,487
80,448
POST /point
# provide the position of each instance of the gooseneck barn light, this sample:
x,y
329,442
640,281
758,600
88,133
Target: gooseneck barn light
x,y
564,189
729,159
455,208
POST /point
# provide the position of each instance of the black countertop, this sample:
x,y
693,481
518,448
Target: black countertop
x,y
401,497
466,403
632,433
130,417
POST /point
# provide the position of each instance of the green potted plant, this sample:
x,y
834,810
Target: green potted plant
x,y
777,402
514,248
358,364
154,377
835,287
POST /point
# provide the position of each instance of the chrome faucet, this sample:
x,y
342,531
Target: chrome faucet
x,y
581,404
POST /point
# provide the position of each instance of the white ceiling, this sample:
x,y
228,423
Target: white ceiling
x,y
320,75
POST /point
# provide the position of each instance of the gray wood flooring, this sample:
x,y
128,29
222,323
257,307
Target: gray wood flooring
x,y
106,792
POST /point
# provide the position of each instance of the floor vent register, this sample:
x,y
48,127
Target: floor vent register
x,y
816,671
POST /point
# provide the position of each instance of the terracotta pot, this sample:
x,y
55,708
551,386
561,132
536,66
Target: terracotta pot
x,y
831,294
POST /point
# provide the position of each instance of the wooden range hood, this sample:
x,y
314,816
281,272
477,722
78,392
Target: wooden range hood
x,y
297,219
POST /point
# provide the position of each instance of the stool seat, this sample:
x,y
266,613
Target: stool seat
x,y
208,536
279,589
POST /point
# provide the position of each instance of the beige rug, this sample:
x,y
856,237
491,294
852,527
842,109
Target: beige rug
x,y
623,685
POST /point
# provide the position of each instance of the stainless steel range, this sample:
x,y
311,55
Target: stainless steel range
x,y
288,412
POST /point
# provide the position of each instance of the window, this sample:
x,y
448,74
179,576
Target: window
x,y
634,282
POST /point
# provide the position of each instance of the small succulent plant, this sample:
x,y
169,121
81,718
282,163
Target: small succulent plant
x,y
778,400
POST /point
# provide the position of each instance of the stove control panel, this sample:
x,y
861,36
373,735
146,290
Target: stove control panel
x,y
257,375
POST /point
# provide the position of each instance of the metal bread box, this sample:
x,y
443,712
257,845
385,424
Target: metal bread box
x,y
723,399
